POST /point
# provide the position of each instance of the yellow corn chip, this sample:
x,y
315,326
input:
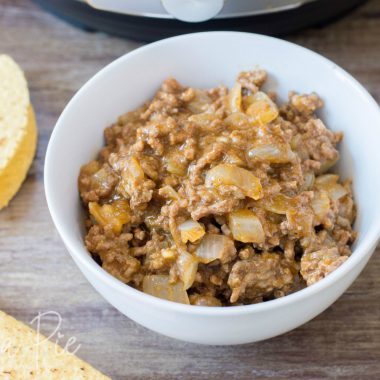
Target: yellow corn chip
x,y
26,355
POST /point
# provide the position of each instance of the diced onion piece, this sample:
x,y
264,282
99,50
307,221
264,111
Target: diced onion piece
x,y
176,167
309,179
176,163
159,286
187,266
226,174
232,158
262,109
238,120
273,152
326,180
300,221
320,205
200,102
97,212
295,141
202,120
327,165
115,214
134,169
279,204
204,300
329,183
169,253
248,100
336,192
214,247
169,193
191,231
132,174
91,168
99,176
234,98
246,227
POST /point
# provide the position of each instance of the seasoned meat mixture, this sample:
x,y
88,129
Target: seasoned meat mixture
x,y
218,197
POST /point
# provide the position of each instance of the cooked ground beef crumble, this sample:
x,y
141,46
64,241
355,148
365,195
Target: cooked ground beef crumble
x,y
218,197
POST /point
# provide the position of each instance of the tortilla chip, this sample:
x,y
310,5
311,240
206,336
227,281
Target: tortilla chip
x,y
18,129
26,355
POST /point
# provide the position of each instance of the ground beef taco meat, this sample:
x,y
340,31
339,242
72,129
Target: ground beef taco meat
x,y
218,197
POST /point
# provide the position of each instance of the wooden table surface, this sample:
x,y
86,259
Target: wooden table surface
x,y
37,274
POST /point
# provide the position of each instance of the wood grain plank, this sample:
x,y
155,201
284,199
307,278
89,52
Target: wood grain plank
x,y
37,274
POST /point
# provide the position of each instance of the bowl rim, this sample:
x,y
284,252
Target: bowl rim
x,y
372,235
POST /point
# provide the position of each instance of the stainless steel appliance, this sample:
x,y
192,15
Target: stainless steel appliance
x,y
154,19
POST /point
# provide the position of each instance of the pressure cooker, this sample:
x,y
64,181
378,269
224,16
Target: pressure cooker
x,y
150,20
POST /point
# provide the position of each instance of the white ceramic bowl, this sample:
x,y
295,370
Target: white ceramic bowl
x,y
206,60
